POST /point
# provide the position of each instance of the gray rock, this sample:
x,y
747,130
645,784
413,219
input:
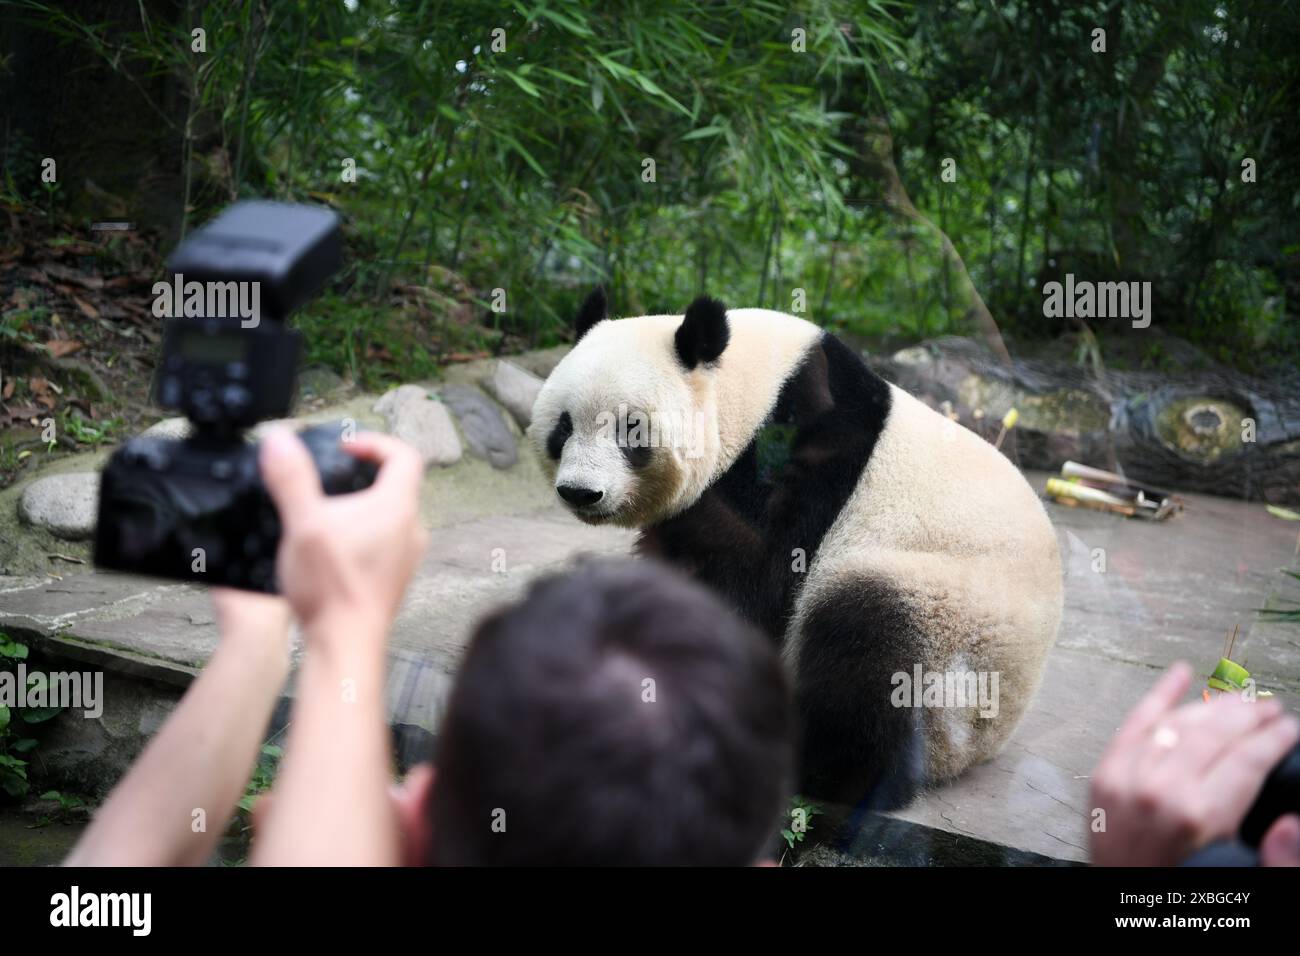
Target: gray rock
x,y
318,381
174,428
484,426
514,388
65,505
542,362
414,416
92,755
178,427
259,431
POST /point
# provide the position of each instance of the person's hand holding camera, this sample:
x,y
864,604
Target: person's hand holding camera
x,y
1175,779
343,564
345,561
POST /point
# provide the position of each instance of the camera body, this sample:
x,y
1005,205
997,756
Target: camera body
x,y
1280,795
196,508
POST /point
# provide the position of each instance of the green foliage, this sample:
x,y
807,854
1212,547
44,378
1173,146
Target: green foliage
x,y
504,146
19,157
1290,611
521,169
268,761
375,346
1126,164
16,740
70,808
15,327
52,194
801,809
1250,299
85,431
261,781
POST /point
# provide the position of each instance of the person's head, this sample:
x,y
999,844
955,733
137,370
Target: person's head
x,y
619,714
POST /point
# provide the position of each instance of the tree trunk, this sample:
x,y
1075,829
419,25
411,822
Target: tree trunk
x,y
126,165
1218,432
881,162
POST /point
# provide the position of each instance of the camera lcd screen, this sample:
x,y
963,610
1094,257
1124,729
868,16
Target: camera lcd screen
x,y
221,347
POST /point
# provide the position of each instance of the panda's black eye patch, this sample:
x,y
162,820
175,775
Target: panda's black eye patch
x,y
559,435
636,436
637,455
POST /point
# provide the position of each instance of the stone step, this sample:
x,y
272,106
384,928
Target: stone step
x,y
151,637
47,518
166,631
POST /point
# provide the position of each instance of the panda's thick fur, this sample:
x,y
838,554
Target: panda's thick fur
x,y
861,530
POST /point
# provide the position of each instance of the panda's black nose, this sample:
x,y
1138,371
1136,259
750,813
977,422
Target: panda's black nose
x,y
579,497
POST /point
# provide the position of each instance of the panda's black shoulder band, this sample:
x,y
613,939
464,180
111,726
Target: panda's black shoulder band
x,y
703,334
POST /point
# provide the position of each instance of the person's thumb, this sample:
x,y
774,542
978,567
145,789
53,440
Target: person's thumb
x,y
1281,844
290,475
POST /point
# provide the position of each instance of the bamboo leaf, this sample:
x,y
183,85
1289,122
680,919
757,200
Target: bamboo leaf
x,y
526,85
703,132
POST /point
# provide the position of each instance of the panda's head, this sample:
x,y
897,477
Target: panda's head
x,y
627,425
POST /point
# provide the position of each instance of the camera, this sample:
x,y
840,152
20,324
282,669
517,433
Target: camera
x,y
196,508
1279,795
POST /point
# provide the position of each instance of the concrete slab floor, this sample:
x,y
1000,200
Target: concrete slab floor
x,y
1138,596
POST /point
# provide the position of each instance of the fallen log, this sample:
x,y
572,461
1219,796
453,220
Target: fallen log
x,y
1218,432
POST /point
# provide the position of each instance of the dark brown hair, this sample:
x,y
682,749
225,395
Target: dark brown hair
x,y
618,715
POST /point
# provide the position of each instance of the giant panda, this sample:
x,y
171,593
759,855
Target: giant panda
x,y
862,531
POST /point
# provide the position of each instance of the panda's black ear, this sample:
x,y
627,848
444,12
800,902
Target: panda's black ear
x,y
703,334
594,309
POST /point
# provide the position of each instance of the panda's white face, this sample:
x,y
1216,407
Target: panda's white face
x,y
628,435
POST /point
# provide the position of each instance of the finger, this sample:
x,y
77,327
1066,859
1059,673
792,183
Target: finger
x,y
374,446
1206,733
378,447
1281,844
400,465
1157,703
290,476
1236,780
